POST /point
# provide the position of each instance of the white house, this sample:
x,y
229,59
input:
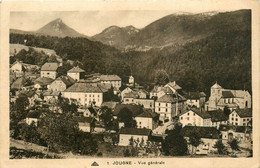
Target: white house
x,y
147,119
218,117
86,124
33,117
137,134
61,83
126,90
208,135
84,94
146,103
18,67
42,83
112,79
169,106
76,73
241,117
240,133
195,117
196,99
233,99
49,70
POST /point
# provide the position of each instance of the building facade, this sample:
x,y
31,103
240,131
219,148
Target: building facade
x,y
49,70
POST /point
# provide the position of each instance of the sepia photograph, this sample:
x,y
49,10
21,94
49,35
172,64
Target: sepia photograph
x,y
131,84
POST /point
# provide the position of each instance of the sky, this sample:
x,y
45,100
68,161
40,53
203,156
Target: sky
x,y
86,22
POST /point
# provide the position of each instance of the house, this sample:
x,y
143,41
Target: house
x,y
18,68
135,109
233,99
159,91
195,117
112,79
129,97
173,86
61,83
125,91
86,124
50,95
146,103
84,94
147,119
33,117
196,99
110,104
88,111
142,93
18,83
241,117
137,134
31,95
169,106
208,135
42,83
49,70
76,73
218,117
240,133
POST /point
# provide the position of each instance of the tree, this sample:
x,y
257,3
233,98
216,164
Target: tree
x,y
127,153
234,144
195,141
220,147
29,133
161,77
107,117
126,116
174,143
66,106
59,131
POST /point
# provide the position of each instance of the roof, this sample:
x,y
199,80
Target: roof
x,y
43,81
50,66
157,89
84,119
135,109
105,87
216,86
27,93
238,93
110,78
67,80
202,132
19,62
51,93
75,70
168,98
110,104
18,83
148,114
241,129
218,115
135,131
194,95
174,85
83,87
131,95
227,94
247,112
33,114
199,111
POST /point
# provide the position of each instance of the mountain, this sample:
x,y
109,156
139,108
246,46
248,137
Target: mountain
x,y
178,29
54,28
116,36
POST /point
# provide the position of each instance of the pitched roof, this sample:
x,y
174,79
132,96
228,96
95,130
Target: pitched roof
x,y
168,98
135,131
218,115
110,78
84,119
131,95
194,95
83,87
247,112
50,66
238,93
43,81
67,80
216,86
33,114
157,89
174,85
104,86
135,109
236,128
227,94
27,93
148,114
202,132
199,111
18,83
75,70
110,104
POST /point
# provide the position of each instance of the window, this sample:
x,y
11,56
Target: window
x,y
188,113
181,118
97,95
159,109
244,120
188,118
126,100
48,73
232,114
139,122
244,124
236,123
236,119
159,104
89,95
194,114
166,104
166,110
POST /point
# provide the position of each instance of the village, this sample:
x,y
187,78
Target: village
x,y
105,104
